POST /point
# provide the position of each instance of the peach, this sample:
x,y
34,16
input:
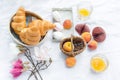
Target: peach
x,y
81,28
99,34
67,46
70,61
92,45
67,24
86,36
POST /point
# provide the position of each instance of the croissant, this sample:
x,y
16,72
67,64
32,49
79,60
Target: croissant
x,y
43,26
19,21
22,35
30,36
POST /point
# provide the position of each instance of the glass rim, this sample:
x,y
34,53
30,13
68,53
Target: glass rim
x,y
103,57
81,5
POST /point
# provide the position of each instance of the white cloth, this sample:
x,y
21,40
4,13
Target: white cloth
x,y
106,13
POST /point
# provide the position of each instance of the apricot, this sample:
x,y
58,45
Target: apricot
x,y
86,36
67,24
67,46
92,45
70,61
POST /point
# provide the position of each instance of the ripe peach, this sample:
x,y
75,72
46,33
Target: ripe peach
x,y
67,24
86,36
70,61
92,45
99,34
67,46
81,28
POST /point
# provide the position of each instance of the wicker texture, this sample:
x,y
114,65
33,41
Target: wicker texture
x,y
16,37
77,41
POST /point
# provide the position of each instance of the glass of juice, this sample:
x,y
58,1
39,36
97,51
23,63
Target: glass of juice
x,y
84,10
99,63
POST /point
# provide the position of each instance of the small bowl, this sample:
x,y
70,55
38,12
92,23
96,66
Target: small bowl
x,y
101,57
16,38
77,41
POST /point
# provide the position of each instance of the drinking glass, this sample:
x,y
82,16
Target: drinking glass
x,y
84,10
99,63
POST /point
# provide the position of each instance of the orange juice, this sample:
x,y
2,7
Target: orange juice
x,y
98,64
84,12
